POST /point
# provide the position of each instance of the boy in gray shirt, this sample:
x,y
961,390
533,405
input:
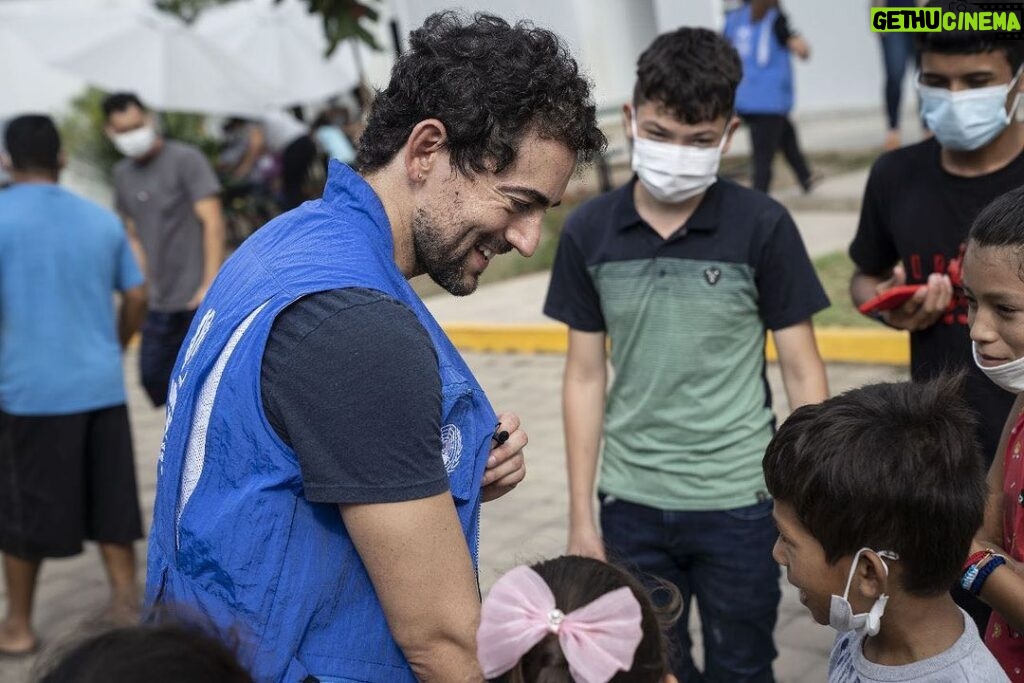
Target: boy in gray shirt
x,y
878,494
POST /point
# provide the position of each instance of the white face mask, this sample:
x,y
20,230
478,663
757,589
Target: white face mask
x,y
840,613
135,143
674,173
1008,376
968,119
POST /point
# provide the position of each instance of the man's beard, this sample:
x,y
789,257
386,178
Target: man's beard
x,y
438,258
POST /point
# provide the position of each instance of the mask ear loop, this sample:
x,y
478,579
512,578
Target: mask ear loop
x,y
882,554
1013,85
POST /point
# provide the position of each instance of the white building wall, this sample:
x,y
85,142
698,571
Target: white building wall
x,y
844,73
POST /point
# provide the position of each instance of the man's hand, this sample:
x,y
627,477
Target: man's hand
x,y
586,540
506,465
197,299
923,309
800,47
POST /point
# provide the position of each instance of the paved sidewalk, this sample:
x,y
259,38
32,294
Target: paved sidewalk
x,y
527,525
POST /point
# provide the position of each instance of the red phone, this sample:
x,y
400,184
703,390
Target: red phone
x,y
889,299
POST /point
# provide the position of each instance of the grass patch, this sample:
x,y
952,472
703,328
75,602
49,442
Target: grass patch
x,y
835,270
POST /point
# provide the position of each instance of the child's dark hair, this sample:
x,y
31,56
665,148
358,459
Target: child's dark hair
x,y
889,466
967,42
693,72
577,581
1001,224
167,653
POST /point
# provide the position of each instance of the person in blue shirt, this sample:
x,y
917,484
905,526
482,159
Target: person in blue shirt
x,y
67,471
327,449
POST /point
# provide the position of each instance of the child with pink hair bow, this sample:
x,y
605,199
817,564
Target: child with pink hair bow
x,y
571,619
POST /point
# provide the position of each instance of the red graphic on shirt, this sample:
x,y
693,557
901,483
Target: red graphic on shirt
x,y
956,313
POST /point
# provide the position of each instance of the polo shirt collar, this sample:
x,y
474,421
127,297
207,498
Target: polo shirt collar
x,y
706,218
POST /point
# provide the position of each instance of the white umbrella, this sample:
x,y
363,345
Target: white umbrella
x,y
169,67
285,44
27,84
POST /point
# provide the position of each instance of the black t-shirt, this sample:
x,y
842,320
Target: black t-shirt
x,y
350,382
916,213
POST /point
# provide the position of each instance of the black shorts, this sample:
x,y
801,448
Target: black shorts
x,y
65,479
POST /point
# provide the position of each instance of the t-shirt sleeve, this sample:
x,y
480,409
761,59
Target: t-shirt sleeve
x,y
572,297
128,273
198,176
873,249
789,291
350,381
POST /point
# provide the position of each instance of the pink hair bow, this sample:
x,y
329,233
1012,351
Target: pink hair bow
x,y
598,639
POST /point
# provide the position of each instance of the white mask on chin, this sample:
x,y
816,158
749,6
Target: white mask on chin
x,y
1008,376
674,173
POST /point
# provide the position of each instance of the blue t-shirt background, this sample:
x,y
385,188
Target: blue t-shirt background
x,y
61,259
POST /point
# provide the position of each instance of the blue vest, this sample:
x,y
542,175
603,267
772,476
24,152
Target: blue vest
x,y
767,85
234,543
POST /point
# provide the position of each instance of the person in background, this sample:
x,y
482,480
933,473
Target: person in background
x,y
169,197
332,141
283,135
761,33
67,470
897,53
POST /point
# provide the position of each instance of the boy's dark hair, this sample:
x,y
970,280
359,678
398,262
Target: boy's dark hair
x,y
120,101
1001,224
888,466
148,654
967,42
576,581
693,72
489,83
33,143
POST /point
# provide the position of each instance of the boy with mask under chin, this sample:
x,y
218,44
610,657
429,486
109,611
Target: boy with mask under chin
x,y
919,204
878,494
683,272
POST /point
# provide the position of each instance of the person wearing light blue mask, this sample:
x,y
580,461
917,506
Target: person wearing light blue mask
x,y
878,493
685,273
919,204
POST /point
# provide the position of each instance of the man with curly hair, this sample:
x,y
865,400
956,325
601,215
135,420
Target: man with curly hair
x,y
684,272
327,449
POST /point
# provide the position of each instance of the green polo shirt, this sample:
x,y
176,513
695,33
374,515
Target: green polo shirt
x,y
688,413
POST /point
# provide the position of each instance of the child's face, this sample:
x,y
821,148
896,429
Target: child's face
x,y
655,122
995,297
806,567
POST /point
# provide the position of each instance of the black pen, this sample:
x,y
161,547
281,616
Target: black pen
x,y
500,435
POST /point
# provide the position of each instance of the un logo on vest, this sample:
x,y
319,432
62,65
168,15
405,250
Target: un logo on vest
x,y
451,447
712,275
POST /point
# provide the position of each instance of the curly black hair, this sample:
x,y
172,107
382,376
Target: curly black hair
x,y
693,72
489,83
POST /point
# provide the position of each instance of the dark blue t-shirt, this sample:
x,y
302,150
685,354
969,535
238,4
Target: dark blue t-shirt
x,y
350,382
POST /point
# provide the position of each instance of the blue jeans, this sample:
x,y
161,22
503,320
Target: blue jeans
x,y
721,558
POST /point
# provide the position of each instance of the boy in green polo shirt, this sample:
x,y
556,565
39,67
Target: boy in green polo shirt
x,y
684,272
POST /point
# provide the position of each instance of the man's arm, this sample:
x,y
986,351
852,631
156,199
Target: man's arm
x,y
135,243
583,397
212,218
416,556
133,311
803,372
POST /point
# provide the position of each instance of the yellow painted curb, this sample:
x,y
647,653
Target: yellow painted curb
x,y
836,344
